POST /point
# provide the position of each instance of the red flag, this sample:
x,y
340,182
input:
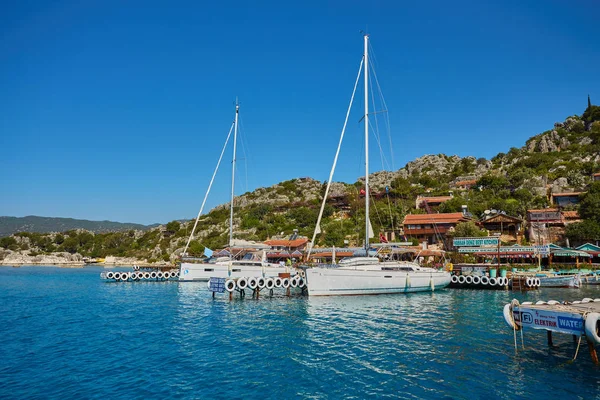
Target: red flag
x,y
382,238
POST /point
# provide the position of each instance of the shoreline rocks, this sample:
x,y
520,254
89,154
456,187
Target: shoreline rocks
x,y
63,259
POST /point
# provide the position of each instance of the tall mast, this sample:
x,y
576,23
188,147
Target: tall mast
x,y
368,221
235,131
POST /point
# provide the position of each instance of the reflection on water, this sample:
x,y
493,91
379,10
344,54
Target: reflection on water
x,y
81,337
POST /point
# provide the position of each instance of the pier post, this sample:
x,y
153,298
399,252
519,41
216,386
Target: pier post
x,y
230,296
549,334
593,352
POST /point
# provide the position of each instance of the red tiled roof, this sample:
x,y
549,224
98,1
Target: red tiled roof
x,y
412,219
596,174
286,242
570,214
544,210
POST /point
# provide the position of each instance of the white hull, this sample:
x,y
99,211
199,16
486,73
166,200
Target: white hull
x,y
203,272
351,282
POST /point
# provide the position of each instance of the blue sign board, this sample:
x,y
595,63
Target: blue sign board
x,y
216,285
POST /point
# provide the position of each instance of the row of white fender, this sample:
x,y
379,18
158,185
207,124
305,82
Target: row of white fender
x,y
125,276
263,283
479,280
591,319
532,282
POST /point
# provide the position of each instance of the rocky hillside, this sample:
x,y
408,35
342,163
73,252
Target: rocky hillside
x,y
558,160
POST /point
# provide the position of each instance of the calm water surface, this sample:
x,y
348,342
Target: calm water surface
x,y
67,334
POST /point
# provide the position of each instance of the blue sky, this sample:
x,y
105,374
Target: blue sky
x,y
118,109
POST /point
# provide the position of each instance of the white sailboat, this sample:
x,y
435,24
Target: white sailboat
x,y
253,264
365,275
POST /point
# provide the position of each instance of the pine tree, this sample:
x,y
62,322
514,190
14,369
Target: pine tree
x,y
589,102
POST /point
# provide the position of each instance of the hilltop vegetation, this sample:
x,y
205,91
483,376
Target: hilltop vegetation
x,y
561,159
32,223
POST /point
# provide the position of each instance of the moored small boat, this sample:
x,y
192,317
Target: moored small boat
x,y
560,281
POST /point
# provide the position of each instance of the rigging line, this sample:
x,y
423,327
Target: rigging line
x,y
390,209
244,146
377,212
317,226
380,92
381,153
387,117
376,128
208,190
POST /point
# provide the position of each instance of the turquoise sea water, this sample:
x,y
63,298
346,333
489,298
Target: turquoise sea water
x,y
67,334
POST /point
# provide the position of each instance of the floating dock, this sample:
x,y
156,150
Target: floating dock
x,y
577,318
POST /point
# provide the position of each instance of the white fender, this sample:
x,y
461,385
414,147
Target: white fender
x,y
540,302
166,275
159,275
134,276
153,275
301,283
285,282
476,280
454,279
110,275
269,283
485,280
117,276
553,302
587,300
260,282
461,279
294,281
208,283
147,275
230,285
493,281
538,282
278,282
508,315
252,283
242,283
125,276
529,282
504,281
591,327
469,279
